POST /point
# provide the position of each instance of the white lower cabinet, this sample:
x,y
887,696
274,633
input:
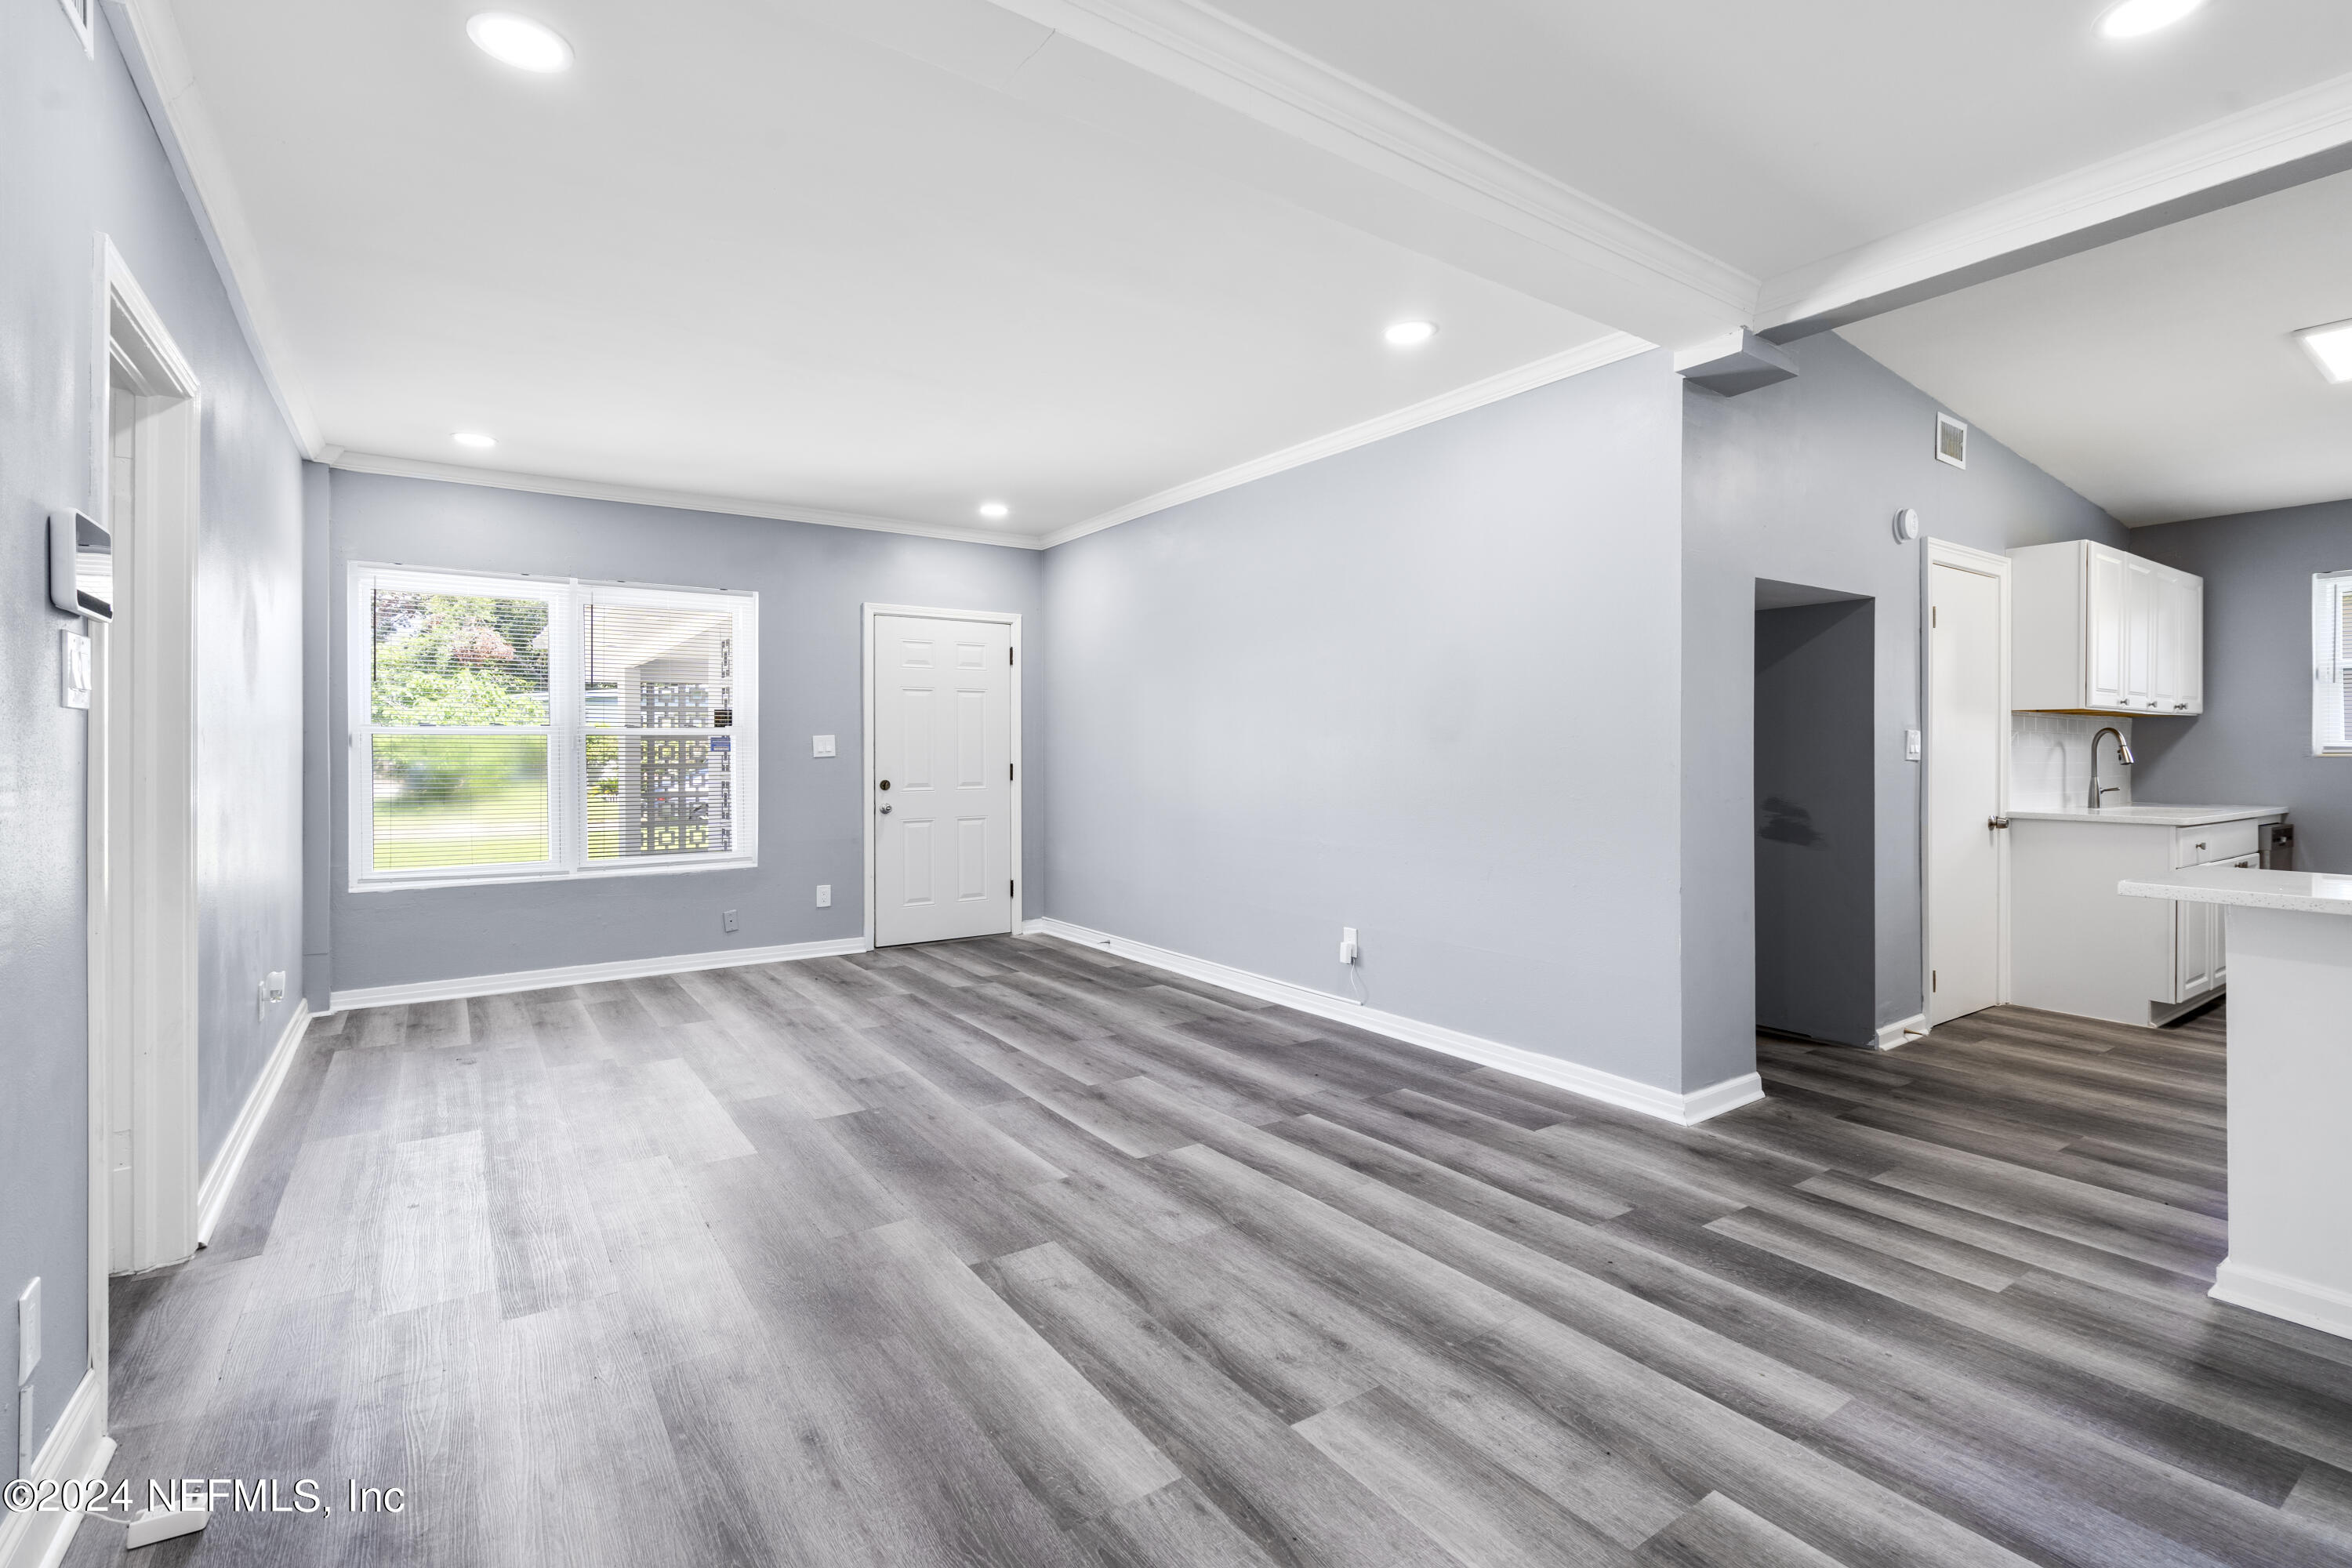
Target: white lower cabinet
x,y
2078,946
2201,960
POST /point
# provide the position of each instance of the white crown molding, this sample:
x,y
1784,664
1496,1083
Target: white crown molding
x,y
587,974
2303,136
1252,73
150,40
1461,400
682,500
1683,1109
220,1180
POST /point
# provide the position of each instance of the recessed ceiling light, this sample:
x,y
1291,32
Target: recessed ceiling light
x,y
2131,18
1411,335
994,511
474,438
2331,348
519,41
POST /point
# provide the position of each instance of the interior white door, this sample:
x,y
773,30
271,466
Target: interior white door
x,y
942,779
1964,721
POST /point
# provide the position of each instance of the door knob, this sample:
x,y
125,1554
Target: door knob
x,y
1996,821
886,808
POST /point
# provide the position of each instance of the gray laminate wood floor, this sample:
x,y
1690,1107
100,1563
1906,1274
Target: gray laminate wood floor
x,y
1009,1253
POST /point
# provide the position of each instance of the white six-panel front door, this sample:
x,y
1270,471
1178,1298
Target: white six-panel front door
x,y
942,794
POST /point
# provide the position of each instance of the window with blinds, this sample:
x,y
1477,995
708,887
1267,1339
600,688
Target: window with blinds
x,y
2331,664
515,727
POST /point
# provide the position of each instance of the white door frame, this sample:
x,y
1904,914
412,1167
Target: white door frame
x,y
1943,553
866,665
145,1036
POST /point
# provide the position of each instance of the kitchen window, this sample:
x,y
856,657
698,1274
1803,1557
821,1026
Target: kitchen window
x,y
2331,664
513,728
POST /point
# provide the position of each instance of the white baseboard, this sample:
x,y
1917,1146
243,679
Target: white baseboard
x,y
220,1180
1685,1110
588,973
1903,1032
79,1449
2314,1306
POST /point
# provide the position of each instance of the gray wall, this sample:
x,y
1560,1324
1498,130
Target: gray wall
x,y
1427,689
1816,882
1800,483
812,582
82,159
2253,744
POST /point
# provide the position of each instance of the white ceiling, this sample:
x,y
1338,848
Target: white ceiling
x,y
883,259
735,256
2159,375
1772,135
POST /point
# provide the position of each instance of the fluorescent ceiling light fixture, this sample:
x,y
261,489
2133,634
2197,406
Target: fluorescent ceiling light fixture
x,y
994,511
521,42
2131,19
1411,335
475,439
2330,347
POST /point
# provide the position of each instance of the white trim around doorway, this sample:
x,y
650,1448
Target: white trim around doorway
x,y
866,741
129,339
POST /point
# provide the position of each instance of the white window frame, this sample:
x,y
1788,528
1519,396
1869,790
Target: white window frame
x,y
2331,664
567,729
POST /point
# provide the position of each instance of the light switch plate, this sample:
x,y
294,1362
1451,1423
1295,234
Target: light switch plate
x,y
821,745
73,689
1910,745
824,895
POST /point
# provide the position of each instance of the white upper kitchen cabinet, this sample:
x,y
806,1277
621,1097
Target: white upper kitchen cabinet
x,y
2099,630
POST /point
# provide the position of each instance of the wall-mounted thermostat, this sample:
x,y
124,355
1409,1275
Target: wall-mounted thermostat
x,y
1907,524
81,566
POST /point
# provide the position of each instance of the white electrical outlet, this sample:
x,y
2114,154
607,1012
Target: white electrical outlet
x,y
824,895
821,745
1910,745
28,1332
1347,948
727,919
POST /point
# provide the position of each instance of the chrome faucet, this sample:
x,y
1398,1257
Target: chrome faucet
x,y
2123,755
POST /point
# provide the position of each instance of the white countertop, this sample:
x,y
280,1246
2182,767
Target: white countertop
x,y
2310,892
2154,816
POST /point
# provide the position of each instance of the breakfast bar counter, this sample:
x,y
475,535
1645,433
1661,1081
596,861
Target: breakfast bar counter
x,y
2290,1086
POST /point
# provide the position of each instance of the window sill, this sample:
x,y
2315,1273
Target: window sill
x,y
508,878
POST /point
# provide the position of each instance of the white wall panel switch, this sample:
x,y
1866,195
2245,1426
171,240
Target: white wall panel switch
x,y
73,689
28,1332
1910,745
821,745
824,895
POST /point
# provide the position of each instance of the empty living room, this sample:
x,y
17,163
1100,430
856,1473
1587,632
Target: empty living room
x,y
794,783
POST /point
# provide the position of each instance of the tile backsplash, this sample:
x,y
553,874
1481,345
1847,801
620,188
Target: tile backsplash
x,y
2050,761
